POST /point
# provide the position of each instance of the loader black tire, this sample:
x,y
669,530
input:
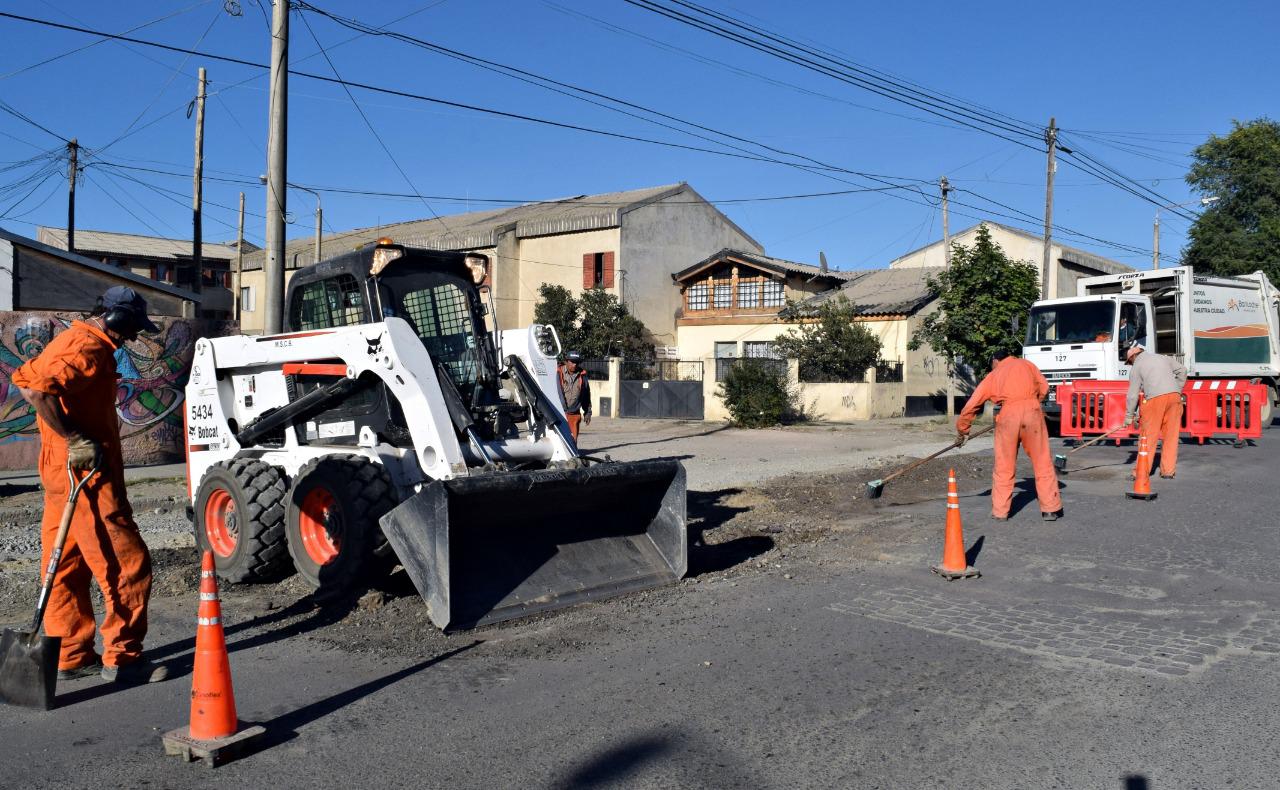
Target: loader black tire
x,y
331,521
239,516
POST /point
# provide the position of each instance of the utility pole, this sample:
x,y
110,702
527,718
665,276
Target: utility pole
x,y
1155,242
273,267
1051,138
197,190
946,256
73,149
235,280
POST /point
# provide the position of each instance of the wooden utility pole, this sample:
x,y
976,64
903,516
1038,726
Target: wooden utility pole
x,y
73,149
946,256
197,190
235,280
1051,138
273,267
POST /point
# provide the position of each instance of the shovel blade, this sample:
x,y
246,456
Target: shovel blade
x,y
28,669
490,548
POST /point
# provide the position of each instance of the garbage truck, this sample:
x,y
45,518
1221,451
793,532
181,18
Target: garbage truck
x,y
1218,327
392,424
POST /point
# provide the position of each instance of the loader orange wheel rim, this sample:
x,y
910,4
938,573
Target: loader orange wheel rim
x,y
221,526
320,526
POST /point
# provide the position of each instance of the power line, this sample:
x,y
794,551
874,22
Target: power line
x,y
369,124
847,75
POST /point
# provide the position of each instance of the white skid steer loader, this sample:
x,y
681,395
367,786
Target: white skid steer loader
x,y
388,424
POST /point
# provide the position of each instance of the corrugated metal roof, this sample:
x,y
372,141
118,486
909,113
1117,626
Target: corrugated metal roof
x,y
779,265
129,245
884,291
113,271
478,229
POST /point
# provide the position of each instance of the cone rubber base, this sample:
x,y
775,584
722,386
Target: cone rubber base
x,y
1143,497
968,573
215,751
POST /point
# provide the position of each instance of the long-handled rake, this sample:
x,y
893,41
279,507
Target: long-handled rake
x,y
1060,460
876,487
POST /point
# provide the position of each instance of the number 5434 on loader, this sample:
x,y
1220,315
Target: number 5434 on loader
x,y
390,424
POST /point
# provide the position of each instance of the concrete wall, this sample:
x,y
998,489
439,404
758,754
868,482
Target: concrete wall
x,y
557,260
853,401
153,372
662,238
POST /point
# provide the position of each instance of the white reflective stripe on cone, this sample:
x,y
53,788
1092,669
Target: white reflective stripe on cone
x,y
208,620
204,596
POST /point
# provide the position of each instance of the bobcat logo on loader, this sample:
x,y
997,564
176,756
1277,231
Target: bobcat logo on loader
x,y
375,345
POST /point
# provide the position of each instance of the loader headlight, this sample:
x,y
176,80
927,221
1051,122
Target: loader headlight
x,y
384,255
479,267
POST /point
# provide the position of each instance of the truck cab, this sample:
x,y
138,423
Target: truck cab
x,y
1085,337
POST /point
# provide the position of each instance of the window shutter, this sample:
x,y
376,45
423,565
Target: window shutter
x,y
588,271
608,270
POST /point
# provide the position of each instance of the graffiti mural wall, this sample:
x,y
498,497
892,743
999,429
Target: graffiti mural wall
x,y
153,372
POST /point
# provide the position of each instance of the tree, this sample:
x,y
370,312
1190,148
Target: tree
x,y
1240,232
755,393
595,324
829,344
979,296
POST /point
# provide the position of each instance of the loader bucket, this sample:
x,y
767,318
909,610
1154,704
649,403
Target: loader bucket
x,y
496,546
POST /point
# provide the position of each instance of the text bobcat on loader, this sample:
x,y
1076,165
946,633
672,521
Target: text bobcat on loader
x,y
389,424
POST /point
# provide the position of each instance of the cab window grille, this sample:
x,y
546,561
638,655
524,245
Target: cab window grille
x,y
337,301
441,316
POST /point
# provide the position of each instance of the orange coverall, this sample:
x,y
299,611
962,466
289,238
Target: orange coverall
x,y
79,367
1018,386
1161,418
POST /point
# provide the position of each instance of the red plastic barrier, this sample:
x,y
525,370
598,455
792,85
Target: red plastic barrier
x,y
1090,406
1214,407
1223,406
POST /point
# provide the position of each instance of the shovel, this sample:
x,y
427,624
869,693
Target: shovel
x,y
28,661
876,487
1060,461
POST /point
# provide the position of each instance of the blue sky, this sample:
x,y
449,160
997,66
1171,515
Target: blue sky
x,y
1136,86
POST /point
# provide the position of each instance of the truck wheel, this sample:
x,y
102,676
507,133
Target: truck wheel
x,y
331,520
239,516
1268,408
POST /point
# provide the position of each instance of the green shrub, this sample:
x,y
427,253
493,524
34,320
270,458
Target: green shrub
x,y
756,394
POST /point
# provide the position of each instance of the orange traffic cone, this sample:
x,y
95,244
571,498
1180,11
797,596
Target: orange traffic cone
x,y
212,733
954,564
1142,473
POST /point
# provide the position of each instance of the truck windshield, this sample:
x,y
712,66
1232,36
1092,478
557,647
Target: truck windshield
x,y
1081,322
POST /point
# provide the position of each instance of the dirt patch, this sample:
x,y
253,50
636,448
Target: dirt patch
x,y
767,528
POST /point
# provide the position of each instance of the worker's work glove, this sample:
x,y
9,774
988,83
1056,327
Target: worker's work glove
x,y
1131,419
586,418
961,438
82,452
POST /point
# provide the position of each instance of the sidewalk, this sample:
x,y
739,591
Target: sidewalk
x,y
132,474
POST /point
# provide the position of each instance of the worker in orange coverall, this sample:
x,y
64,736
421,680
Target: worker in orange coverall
x,y
72,386
1017,386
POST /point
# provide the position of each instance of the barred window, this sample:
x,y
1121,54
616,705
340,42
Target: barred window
x,y
337,301
759,349
749,293
773,294
726,349
722,293
698,296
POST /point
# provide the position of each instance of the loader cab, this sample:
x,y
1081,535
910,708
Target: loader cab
x,y
435,292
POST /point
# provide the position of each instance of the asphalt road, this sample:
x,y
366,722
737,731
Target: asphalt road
x,y
1133,645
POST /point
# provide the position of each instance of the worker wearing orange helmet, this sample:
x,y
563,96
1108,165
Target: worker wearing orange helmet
x,y
72,387
1018,387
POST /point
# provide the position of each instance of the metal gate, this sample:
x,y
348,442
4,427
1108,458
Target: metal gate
x,y
664,389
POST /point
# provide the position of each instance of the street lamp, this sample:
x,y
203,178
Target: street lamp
x,y
1155,243
319,212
